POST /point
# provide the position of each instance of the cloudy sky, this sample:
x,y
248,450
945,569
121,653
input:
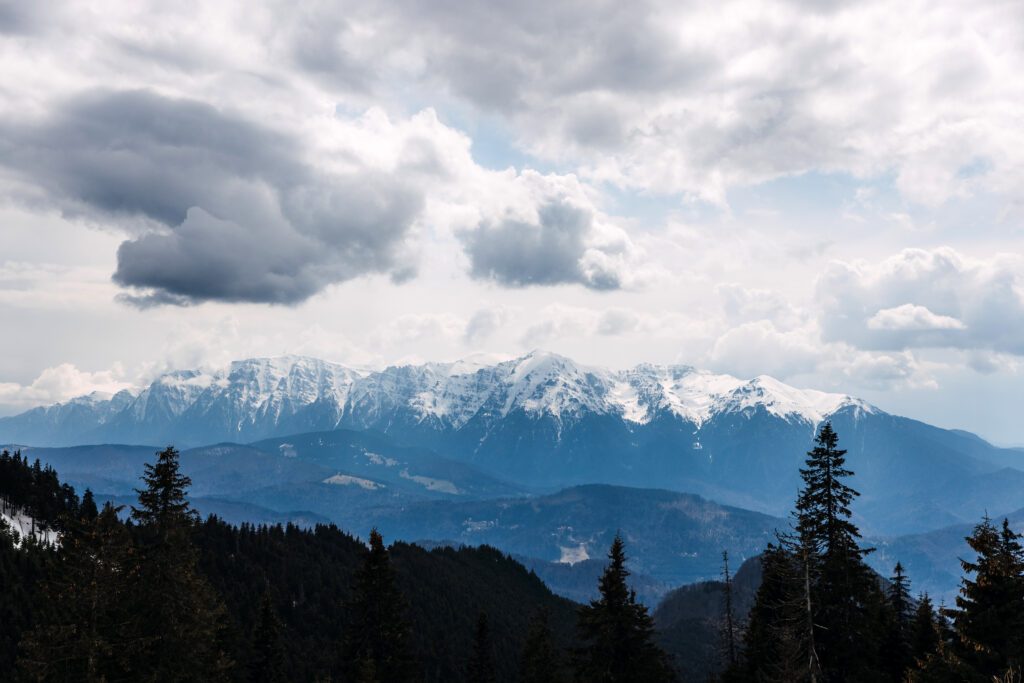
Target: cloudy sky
x,y
831,193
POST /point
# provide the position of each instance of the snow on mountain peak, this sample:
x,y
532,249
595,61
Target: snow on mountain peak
x,y
786,401
257,395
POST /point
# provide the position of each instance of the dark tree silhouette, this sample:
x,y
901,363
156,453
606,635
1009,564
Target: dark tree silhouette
x,y
376,643
176,617
540,661
617,631
480,668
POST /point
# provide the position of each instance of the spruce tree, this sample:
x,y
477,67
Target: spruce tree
x,y
847,607
377,636
267,662
617,631
88,510
778,643
897,651
480,668
729,647
178,619
540,661
924,631
990,616
85,635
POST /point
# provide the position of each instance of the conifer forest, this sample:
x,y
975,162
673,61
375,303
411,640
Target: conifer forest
x,y
153,592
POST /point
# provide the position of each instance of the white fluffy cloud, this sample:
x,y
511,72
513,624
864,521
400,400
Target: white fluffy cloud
x,y
910,317
759,348
60,383
699,98
920,298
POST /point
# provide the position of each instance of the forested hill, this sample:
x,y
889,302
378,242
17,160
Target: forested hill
x,y
307,577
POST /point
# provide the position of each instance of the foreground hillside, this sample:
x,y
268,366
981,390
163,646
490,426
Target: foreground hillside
x,y
307,576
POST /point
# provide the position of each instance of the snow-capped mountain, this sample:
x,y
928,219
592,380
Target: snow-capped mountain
x,y
541,419
263,397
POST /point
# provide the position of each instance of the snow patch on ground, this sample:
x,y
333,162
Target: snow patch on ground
x,y
23,527
573,554
349,480
378,459
441,485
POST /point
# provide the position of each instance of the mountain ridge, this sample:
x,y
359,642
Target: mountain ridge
x,y
251,398
543,422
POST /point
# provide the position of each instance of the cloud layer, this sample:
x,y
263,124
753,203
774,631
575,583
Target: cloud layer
x,y
926,299
221,208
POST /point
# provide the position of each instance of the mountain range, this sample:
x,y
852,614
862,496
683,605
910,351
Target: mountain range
x,y
543,422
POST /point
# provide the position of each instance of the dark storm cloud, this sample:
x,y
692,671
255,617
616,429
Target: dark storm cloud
x,y
243,217
137,152
550,251
19,17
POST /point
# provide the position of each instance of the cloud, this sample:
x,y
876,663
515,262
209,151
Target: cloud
x,y
560,322
920,298
884,371
742,304
910,317
549,234
60,383
759,348
221,208
484,323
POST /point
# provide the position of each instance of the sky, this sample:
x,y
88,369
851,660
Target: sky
x,y
830,193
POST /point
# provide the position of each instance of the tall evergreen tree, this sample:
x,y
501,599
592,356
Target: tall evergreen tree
x,y
377,637
897,649
85,636
267,663
775,643
823,506
729,647
178,619
990,616
480,668
924,631
617,631
88,510
846,602
540,661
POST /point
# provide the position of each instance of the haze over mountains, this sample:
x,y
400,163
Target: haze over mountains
x,y
460,452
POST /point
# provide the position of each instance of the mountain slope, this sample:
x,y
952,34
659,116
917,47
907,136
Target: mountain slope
x,y
673,537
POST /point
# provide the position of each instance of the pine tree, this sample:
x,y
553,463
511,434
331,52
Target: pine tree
x,y
848,607
823,506
85,637
774,645
377,630
540,662
88,510
897,652
480,668
728,616
267,664
617,631
990,616
178,619
924,635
